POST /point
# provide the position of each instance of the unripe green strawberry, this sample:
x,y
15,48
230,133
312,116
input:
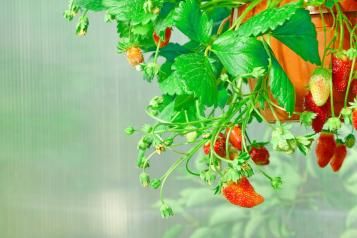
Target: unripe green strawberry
x,y
350,140
144,179
320,86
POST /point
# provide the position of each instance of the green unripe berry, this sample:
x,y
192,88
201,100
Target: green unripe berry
x,y
350,140
130,130
144,179
155,183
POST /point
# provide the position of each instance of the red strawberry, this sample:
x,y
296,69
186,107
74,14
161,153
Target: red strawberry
x,y
219,146
322,113
319,85
354,88
135,56
338,157
260,155
354,118
165,41
318,122
235,137
341,68
242,193
325,149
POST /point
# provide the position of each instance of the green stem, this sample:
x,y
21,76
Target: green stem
x,y
342,31
350,81
325,37
265,174
250,7
176,164
332,100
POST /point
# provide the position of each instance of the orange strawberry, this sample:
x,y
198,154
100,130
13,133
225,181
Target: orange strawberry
x,y
135,56
242,193
325,148
319,85
338,157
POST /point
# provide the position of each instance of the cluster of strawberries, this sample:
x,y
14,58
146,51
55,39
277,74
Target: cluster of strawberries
x,y
241,192
317,100
329,151
258,153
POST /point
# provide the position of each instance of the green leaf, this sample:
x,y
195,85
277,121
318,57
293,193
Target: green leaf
x,y
351,220
166,17
192,74
192,22
167,108
299,34
174,231
351,184
281,87
267,20
352,233
173,85
306,118
226,214
240,54
94,5
172,50
125,10
202,232
253,225
197,196
222,97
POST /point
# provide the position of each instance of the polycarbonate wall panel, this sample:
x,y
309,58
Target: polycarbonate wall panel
x,y
68,171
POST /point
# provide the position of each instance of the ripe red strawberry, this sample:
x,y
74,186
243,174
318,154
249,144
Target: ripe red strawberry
x,y
325,149
354,88
242,193
319,85
341,68
338,157
260,155
322,113
235,137
166,40
309,103
354,118
219,146
318,122
135,56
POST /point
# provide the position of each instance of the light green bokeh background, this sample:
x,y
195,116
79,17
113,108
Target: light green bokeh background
x,y
68,171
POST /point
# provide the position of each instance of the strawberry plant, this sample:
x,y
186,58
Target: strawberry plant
x,y
226,76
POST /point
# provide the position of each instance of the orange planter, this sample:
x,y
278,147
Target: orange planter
x,y
298,70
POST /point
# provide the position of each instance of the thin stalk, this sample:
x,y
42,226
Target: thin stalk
x,y
350,81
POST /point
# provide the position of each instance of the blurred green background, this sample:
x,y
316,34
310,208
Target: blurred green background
x,y
68,171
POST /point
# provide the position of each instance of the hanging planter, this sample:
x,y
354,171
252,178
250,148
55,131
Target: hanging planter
x,y
298,70
267,62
